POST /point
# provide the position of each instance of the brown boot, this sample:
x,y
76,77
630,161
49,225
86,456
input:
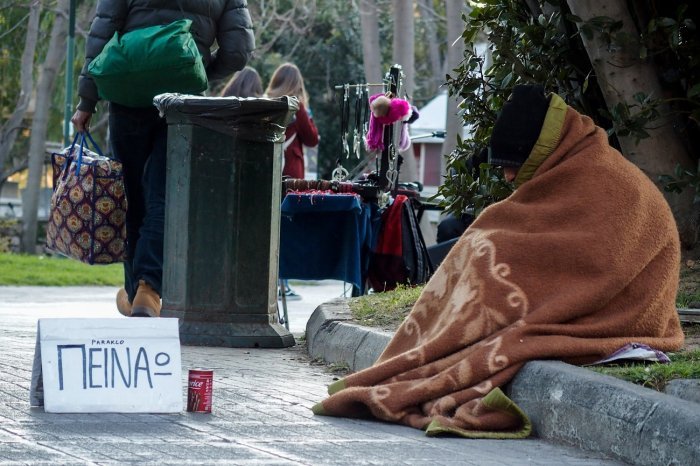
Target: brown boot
x,y
146,302
123,304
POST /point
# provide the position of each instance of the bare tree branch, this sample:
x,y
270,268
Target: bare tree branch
x,y
269,16
9,129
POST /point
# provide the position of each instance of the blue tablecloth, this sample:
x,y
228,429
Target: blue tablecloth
x,y
327,236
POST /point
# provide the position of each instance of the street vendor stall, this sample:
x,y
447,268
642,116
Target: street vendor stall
x,y
330,229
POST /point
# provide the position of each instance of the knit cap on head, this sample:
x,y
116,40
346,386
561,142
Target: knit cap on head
x,y
518,125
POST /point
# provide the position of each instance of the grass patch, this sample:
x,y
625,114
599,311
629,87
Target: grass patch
x,y
691,330
689,285
386,310
684,365
22,269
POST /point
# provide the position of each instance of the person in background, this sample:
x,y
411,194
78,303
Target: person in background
x,y
138,136
244,83
287,80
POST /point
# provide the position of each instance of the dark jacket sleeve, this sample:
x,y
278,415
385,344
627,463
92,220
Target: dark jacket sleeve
x,y
235,39
109,18
306,129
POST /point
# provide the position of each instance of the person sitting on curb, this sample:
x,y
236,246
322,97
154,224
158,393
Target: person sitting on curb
x,y
582,259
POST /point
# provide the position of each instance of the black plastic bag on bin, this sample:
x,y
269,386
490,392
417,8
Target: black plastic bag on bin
x,y
251,118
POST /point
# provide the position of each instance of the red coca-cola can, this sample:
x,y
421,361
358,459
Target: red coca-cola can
x,y
199,390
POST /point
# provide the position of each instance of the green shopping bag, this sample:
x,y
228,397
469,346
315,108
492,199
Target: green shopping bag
x,y
134,67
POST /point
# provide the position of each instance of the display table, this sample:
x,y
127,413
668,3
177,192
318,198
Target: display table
x,y
327,236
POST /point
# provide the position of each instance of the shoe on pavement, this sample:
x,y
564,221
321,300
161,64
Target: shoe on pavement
x,y
146,302
123,304
289,295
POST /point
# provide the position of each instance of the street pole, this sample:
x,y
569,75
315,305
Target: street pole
x,y
69,75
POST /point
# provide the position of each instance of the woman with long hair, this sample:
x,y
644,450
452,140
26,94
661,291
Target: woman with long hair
x,y
244,83
287,80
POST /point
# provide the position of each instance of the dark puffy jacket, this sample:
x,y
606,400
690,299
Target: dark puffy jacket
x,y
226,21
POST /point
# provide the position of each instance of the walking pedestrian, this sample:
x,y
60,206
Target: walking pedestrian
x,y
138,135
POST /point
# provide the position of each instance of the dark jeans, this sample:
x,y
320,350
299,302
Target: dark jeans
x,y
138,137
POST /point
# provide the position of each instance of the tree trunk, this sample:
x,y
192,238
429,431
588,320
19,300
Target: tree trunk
x,y
455,53
370,41
55,56
622,74
404,55
403,43
427,13
9,130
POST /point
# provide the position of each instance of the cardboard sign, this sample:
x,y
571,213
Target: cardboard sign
x,y
108,366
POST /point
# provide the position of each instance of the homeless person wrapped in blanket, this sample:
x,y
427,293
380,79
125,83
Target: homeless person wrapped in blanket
x,y
580,260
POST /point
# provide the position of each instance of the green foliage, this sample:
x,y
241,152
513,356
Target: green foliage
x,y
480,188
680,180
683,365
524,49
633,119
544,46
20,269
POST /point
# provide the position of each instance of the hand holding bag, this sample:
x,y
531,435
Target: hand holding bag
x,y
87,217
134,67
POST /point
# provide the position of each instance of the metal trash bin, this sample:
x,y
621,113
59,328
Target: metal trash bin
x,y
222,219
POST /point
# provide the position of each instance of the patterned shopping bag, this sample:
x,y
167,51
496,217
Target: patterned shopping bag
x,y
88,205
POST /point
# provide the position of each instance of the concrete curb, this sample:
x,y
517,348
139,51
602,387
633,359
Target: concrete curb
x,y
566,403
600,413
332,338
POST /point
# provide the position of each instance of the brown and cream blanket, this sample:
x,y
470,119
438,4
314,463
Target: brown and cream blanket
x,y
580,260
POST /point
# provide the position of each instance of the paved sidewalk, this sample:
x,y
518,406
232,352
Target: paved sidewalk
x,y
261,414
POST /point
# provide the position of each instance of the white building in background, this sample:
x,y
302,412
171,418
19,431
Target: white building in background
x,y
427,148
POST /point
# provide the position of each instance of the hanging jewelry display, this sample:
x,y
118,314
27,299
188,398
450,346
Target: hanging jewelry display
x,y
357,130
339,172
345,120
392,174
365,111
388,168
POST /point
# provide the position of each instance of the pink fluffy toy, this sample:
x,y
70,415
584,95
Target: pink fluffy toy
x,y
385,111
